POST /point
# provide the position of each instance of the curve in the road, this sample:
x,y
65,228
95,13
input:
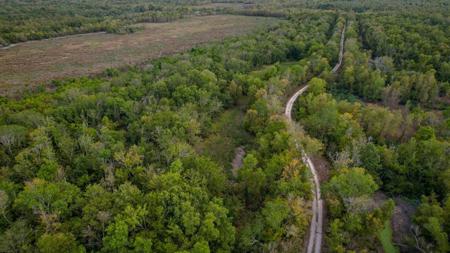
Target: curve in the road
x,y
315,230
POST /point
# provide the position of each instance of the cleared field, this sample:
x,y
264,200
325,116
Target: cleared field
x,y
30,63
235,6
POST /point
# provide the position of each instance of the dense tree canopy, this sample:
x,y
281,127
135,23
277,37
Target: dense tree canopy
x,y
141,159
118,163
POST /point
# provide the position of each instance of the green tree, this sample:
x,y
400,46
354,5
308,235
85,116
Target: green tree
x,y
275,213
317,86
371,160
252,179
62,242
17,238
434,220
353,182
51,198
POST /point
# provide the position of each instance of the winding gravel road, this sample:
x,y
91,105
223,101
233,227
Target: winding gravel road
x,y
315,230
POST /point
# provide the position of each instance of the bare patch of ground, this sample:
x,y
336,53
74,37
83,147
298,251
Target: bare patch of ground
x,y
237,161
34,62
322,167
402,219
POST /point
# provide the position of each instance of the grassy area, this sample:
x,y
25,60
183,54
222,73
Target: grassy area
x,y
35,62
385,237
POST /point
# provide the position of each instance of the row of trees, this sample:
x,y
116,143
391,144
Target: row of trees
x,y
438,7
357,75
415,42
414,45
381,77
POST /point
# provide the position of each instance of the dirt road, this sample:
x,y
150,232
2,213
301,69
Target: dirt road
x,y
315,231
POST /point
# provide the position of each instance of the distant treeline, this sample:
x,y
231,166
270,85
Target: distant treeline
x,y
32,21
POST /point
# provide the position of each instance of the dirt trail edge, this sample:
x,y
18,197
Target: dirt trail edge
x,y
315,230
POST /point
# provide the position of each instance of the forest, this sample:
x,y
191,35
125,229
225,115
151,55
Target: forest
x,y
192,153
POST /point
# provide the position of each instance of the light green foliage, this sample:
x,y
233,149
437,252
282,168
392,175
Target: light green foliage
x,y
349,197
186,214
352,183
39,157
386,238
201,247
316,86
439,236
116,238
142,245
435,221
12,136
274,213
51,198
320,115
336,238
253,179
49,243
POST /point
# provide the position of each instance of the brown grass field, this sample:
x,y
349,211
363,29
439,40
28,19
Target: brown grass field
x,y
234,6
27,64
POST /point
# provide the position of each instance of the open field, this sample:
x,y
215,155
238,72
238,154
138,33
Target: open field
x,y
234,6
30,63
